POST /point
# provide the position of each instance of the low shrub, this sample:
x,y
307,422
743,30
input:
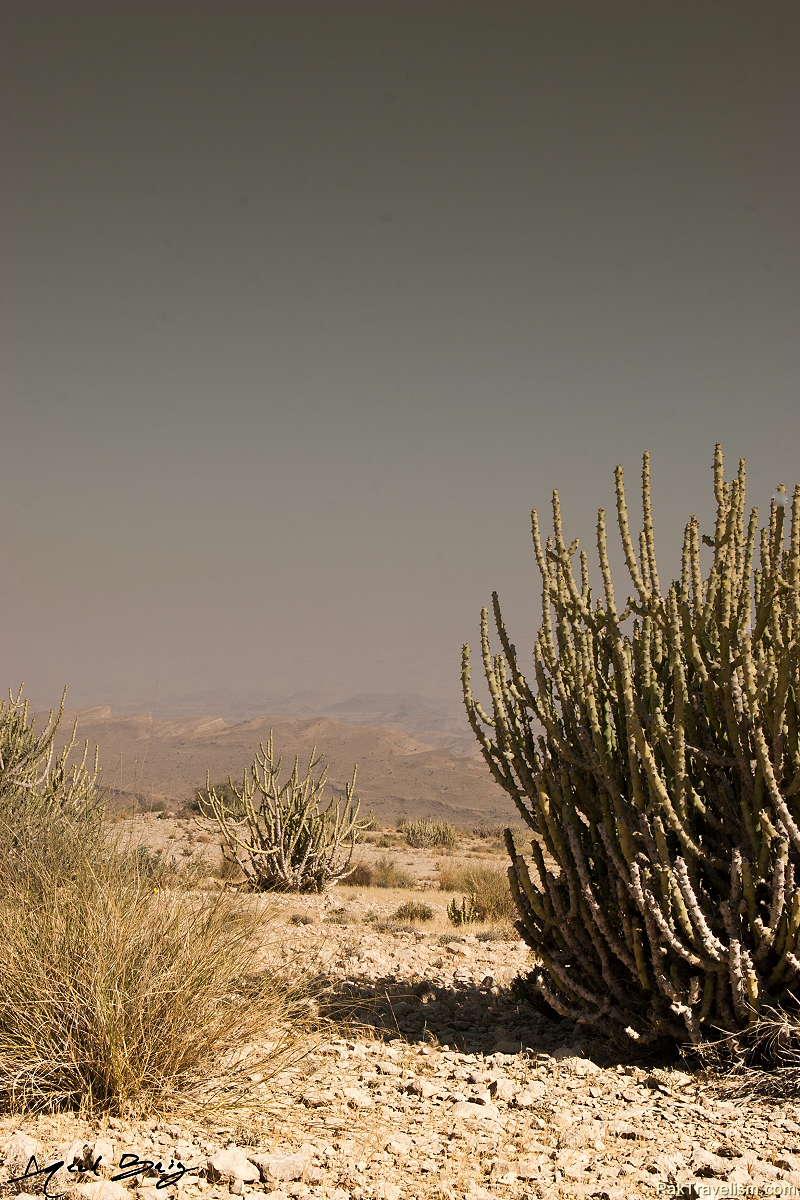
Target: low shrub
x,y
762,1061
489,833
383,873
117,996
498,933
163,871
361,875
413,910
226,793
426,833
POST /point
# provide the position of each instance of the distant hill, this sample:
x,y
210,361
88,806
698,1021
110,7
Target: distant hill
x,y
438,721
399,773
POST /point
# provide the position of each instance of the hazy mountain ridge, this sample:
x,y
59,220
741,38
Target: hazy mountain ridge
x,y
399,772
437,720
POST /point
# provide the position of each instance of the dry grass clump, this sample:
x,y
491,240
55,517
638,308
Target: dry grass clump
x,y
426,833
119,997
762,1061
383,873
164,871
485,888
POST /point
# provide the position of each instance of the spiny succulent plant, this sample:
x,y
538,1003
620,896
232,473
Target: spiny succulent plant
x,y
281,835
655,756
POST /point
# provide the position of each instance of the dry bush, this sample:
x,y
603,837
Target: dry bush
x,y
489,833
362,875
225,792
413,910
762,1061
228,871
117,997
426,833
487,886
498,933
383,873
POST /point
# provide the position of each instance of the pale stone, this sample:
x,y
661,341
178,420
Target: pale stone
x,y
101,1189
466,1110
283,1167
231,1163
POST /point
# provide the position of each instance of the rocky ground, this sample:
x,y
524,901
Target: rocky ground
x,y
431,1080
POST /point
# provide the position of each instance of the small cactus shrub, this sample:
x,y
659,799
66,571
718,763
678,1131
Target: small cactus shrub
x,y
654,754
488,885
426,833
287,838
466,911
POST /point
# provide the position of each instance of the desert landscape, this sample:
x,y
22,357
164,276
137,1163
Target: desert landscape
x,y
150,761
371,967
399,600
427,1077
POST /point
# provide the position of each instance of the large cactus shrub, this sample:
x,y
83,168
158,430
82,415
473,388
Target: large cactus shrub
x,y
655,756
282,835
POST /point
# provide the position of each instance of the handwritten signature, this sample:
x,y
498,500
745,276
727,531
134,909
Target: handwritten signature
x,y
130,1165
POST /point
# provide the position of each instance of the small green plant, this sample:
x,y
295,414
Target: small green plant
x,y
413,910
467,911
427,833
489,886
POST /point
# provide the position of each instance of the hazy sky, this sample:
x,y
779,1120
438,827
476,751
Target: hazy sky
x,y
308,303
